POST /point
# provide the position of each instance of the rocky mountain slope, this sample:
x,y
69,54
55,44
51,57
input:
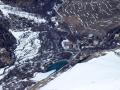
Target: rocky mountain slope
x,y
49,36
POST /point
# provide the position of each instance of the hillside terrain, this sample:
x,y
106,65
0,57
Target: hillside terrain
x,y
40,39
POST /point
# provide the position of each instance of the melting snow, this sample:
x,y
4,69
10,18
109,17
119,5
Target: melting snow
x,y
6,10
1,71
4,71
66,44
40,76
0,87
101,73
28,44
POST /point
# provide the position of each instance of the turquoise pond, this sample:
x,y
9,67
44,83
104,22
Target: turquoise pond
x,y
56,66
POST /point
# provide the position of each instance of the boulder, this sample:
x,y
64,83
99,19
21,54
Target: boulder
x,y
7,43
7,40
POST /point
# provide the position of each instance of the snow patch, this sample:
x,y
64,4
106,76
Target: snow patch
x,y
1,88
28,44
6,10
66,44
41,76
53,19
1,71
4,71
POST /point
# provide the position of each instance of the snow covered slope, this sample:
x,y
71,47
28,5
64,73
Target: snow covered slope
x,y
102,73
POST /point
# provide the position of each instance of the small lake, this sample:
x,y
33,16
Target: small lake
x,y
56,66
